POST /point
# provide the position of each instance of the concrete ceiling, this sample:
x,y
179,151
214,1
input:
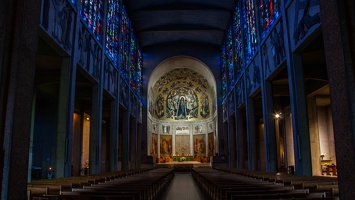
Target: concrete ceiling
x,y
158,22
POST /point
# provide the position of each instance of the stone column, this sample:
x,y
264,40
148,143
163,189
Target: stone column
x,y
232,140
95,131
140,145
125,140
18,48
133,143
289,148
65,122
252,147
338,25
303,163
114,127
314,136
269,128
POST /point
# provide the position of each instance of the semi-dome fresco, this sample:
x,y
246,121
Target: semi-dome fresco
x,y
181,94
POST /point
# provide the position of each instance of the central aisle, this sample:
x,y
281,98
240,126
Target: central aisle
x,y
183,187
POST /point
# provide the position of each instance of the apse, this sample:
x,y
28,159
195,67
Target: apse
x,y
182,111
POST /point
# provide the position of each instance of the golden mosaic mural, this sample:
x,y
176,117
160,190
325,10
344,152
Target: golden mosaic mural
x,y
180,94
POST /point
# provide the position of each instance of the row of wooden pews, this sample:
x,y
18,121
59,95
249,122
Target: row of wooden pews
x,y
327,184
226,184
126,185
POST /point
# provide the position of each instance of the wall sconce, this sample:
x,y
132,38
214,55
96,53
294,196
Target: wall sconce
x,y
277,116
88,118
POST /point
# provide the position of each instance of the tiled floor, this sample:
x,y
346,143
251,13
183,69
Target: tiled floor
x,y
183,187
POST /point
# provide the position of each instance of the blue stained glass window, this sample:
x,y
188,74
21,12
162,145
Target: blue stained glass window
x,y
113,30
269,11
224,72
133,61
124,45
91,12
250,36
238,42
139,80
230,58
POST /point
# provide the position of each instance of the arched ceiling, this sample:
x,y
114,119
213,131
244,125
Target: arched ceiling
x,y
158,22
177,78
181,62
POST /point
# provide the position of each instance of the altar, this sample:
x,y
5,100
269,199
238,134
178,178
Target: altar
x,y
182,158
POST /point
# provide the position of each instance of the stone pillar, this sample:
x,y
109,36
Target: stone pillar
x,y
173,131
114,127
232,143
314,136
18,48
77,144
133,143
125,140
338,25
65,123
252,143
303,163
30,154
289,148
95,131
277,136
269,128
140,145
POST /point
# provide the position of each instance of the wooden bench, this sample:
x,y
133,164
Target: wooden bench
x,y
242,184
54,187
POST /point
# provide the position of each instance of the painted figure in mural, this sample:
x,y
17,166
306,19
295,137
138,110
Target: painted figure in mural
x,y
171,104
211,144
154,146
165,147
305,23
181,110
160,106
192,100
205,110
202,146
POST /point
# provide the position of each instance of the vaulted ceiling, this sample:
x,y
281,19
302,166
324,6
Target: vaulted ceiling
x,y
158,22
168,28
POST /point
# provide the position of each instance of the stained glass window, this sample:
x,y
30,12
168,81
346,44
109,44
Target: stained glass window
x,y
224,72
238,42
113,30
229,58
91,12
139,79
269,11
250,36
133,61
124,44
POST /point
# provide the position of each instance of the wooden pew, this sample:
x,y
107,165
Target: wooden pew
x,y
54,187
220,185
